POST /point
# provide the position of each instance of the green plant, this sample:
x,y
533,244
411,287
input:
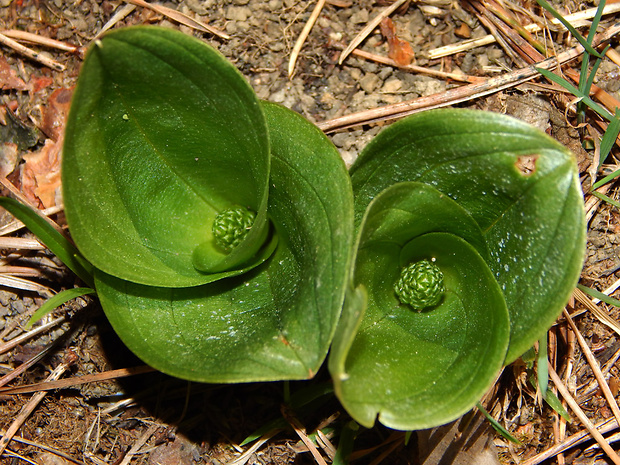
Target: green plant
x,y
497,206
218,232
220,243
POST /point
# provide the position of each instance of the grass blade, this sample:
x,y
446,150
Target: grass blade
x,y
599,295
56,301
497,427
53,240
606,179
581,39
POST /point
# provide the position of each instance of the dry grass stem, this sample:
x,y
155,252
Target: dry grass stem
x,y
121,14
303,36
359,38
135,449
20,369
29,407
578,438
574,406
180,18
19,48
15,282
6,346
418,69
245,456
16,225
301,432
600,314
31,38
576,19
600,378
20,243
45,448
77,380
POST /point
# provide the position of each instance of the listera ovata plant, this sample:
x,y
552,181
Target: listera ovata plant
x,y
227,242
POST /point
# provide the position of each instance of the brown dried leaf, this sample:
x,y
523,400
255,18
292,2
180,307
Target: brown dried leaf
x,y
398,50
40,174
9,78
56,111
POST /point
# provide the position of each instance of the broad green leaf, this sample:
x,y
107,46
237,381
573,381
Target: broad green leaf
x,y
417,369
163,134
53,240
519,185
277,320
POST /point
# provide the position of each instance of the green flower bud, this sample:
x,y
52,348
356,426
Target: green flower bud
x,y
420,285
231,226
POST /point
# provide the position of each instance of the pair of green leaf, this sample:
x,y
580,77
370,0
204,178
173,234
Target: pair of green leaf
x,y
164,135
497,206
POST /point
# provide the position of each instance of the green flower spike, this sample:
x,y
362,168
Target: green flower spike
x,y
420,285
231,226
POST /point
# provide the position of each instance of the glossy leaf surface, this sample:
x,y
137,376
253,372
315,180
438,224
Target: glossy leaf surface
x,y
277,320
519,185
163,134
418,369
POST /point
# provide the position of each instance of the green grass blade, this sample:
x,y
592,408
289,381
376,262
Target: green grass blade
x,y
599,295
581,39
552,400
53,240
576,92
542,368
556,405
56,301
606,179
497,427
585,84
345,445
606,199
609,139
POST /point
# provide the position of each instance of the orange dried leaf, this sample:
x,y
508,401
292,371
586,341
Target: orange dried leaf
x,y
40,174
56,112
399,50
9,78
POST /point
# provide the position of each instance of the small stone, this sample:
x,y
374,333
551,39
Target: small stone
x,y
369,82
238,13
360,17
392,85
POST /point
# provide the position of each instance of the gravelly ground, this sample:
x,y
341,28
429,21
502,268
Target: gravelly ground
x,y
263,34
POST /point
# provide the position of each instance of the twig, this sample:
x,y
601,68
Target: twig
x,y
460,94
31,38
64,383
603,427
577,19
6,346
598,437
303,36
418,69
600,378
245,456
119,15
301,432
369,28
139,443
180,18
19,48
25,285
28,408
602,316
